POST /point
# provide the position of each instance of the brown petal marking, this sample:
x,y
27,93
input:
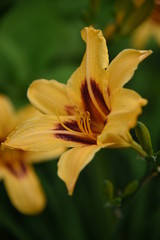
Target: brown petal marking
x,y
69,110
108,92
99,97
75,138
18,171
88,104
69,124
2,139
155,16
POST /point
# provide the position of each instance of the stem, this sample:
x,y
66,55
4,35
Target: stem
x,y
157,154
151,171
138,149
127,205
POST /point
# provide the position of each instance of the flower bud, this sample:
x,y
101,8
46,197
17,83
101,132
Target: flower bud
x,y
144,138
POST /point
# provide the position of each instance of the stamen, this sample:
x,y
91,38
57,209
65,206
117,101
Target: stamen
x,y
79,119
88,121
65,127
83,121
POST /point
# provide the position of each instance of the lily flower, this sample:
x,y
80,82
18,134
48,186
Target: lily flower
x,y
149,29
20,180
92,111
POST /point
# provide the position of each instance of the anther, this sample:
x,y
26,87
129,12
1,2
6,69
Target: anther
x,y
83,121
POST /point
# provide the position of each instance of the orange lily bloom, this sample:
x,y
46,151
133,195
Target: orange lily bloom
x,y
20,180
91,112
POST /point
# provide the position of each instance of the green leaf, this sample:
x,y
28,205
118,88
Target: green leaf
x,y
130,188
108,189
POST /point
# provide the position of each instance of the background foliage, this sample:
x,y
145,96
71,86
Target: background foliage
x,y
41,39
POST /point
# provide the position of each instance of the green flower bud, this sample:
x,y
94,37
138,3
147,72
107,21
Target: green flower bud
x,y
144,138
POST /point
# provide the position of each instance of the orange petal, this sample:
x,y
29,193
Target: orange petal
x,y
72,162
126,105
91,71
36,157
45,133
50,97
122,68
27,112
7,117
24,189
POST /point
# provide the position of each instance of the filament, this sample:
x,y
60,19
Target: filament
x,y
63,125
88,125
83,122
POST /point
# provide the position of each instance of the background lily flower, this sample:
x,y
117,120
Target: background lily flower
x,y
20,180
91,112
149,29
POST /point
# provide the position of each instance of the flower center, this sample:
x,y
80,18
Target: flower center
x,y
84,121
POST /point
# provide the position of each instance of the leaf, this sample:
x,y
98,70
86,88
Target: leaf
x,y
131,188
108,190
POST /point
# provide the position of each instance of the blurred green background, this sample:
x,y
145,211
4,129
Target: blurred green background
x,y
41,39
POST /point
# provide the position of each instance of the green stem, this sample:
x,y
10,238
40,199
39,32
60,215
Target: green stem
x,y
157,154
126,207
127,203
138,149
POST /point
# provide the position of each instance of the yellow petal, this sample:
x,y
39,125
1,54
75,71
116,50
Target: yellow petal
x,y
27,112
50,97
141,35
7,117
25,191
122,68
1,168
45,133
122,139
146,31
126,105
92,70
72,162
36,157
